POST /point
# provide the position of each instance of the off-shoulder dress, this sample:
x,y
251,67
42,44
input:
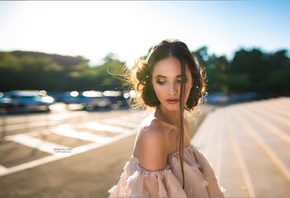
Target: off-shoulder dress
x,y
200,180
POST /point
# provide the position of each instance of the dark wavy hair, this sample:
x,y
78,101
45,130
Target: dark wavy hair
x,y
141,78
141,75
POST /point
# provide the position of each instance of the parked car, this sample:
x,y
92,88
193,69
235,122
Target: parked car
x,y
89,100
217,98
25,100
116,97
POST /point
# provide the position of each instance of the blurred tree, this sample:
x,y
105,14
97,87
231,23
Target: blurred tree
x,y
250,70
239,83
35,70
110,73
9,69
37,73
249,63
216,69
69,63
278,80
102,77
260,72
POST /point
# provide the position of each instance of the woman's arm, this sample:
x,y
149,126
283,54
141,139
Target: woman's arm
x,y
151,146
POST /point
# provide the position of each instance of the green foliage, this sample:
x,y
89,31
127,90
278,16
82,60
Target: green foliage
x,y
239,82
248,71
280,78
110,74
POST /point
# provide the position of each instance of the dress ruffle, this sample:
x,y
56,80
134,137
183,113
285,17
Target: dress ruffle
x,y
200,180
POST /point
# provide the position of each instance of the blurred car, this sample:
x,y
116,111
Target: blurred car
x,y
243,97
89,100
217,98
117,98
26,100
57,95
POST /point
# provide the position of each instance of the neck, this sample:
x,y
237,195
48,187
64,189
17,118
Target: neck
x,y
171,117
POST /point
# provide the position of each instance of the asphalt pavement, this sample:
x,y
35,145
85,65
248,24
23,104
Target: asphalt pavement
x,y
88,174
247,145
32,168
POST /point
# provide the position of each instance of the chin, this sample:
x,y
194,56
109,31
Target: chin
x,y
172,109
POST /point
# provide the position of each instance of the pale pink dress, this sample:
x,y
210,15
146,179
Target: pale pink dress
x,y
200,180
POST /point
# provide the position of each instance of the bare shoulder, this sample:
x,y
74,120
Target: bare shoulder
x,y
151,145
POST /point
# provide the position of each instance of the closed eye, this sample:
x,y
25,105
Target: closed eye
x,y
160,81
184,80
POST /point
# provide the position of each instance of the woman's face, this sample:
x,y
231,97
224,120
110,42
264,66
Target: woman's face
x,y
166,80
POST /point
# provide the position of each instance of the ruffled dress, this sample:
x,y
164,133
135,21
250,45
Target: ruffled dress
x,y
200,180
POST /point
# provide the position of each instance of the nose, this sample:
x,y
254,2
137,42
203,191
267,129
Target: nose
x,y
172,89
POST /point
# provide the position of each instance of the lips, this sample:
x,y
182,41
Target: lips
x,y
172,101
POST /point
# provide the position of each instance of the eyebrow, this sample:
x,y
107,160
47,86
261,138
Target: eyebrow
x,y
160,76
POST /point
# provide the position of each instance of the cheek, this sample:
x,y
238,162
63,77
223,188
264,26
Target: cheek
x,y
158,91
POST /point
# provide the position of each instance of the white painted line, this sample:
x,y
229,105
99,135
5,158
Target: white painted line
x,y
210,139
241,160
64,116
77,150
68,130
36,143
219,140
3,169
204,132
134,117
269,152
121,123
31,164
60,151
88,147
270,127
102,127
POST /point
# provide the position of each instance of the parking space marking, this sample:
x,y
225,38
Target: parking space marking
x,y
3,169
121,123
118,128
32,142
69,131
31,164
103,127
57,156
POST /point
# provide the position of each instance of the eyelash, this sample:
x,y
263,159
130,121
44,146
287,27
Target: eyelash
x,y
182,80
162,82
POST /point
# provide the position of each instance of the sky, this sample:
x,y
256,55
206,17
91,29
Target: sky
x,y
128,29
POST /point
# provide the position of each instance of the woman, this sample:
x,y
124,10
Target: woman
x,y
164,164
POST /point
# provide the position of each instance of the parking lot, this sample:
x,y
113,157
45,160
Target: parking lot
x,y
83,155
